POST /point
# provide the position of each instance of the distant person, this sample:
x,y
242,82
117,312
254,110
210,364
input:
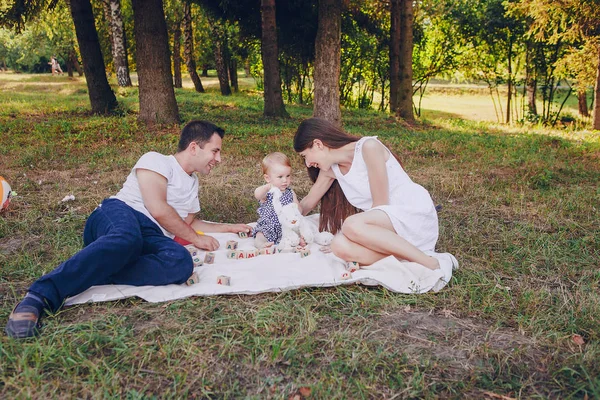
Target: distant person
x,y
277,172
398,218
55,66
128,238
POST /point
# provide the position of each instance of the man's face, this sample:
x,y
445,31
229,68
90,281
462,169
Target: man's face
x,y
209,156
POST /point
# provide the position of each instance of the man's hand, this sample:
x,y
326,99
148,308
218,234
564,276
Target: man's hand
x,y
205,242
237,228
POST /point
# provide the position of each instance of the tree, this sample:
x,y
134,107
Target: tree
x,y
270,57
102,98
118,42
568,20
188,47
405,93
220,49
177,80
327,62
395,37
156,93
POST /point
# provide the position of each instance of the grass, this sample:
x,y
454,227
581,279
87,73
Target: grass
x,y
519,210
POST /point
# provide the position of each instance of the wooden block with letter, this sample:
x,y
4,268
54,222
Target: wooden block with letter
x,y
192,280
209,258
223,280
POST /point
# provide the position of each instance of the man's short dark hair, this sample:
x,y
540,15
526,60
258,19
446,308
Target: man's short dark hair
x,y
198,131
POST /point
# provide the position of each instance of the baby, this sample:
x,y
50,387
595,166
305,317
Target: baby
x,y
277,172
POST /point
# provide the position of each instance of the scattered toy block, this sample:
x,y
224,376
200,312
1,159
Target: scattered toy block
x,y
266,251
231,245
232,254
223,280
192,280
352,266
209,258
241,254
346,275
195,254
304,253
243,235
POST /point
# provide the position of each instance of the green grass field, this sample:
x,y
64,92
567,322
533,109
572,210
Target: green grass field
x,y
520,210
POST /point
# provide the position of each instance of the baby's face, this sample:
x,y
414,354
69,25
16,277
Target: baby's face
x,y
279,176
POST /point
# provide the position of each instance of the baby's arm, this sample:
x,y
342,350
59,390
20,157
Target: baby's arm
x,y
261,192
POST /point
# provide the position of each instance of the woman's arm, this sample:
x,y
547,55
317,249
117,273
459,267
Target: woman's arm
x,y
318,189
375,156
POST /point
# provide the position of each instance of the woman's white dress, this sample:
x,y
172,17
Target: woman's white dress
x,y
410,207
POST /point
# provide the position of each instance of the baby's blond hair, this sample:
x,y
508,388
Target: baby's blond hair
x,y
274,158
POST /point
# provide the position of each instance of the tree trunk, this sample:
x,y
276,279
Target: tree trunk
x,y
188,47
270,57
73,60
530,79
405,91
157,96
205,71
582,101
119,44
394,53
233,74
102,98
177,56
509,97
220,64
247,68
596,123
327,62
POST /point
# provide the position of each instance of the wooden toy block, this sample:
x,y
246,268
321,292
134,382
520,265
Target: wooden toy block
x,y
241,254
285,250
266,251
352,266
346,275
223,280
299,249
209,258
195,253
304,253
233,254
192,280
251,253
231,245
243,235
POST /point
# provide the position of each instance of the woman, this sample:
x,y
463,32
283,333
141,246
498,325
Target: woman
x,y
351,173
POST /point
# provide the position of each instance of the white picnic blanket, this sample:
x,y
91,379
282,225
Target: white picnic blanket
x,y
280,272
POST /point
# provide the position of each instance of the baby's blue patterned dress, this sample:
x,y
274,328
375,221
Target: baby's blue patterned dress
x,y
268,223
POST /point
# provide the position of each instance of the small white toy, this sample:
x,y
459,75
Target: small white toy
x,y
294,225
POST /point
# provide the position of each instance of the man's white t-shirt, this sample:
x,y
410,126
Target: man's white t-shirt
x,y
182,189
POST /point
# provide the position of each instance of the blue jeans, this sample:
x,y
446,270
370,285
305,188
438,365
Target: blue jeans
x,y
122,246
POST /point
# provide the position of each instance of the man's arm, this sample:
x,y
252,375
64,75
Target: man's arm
x,y
153,187
214,227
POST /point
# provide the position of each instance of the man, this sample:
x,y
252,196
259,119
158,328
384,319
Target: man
x,y
128,238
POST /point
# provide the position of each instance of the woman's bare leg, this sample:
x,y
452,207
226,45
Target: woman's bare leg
x,y
373,230
348,250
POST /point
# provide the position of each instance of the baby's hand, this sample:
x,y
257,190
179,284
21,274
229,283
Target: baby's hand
x,y
302,242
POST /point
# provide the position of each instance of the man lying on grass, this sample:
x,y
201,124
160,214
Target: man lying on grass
x,y
128,238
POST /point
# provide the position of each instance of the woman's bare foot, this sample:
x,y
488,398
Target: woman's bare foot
x,y
433,263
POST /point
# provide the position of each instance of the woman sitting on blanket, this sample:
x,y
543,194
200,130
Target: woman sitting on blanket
x,y
352,174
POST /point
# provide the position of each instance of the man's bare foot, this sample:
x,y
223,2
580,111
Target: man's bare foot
x,y
267,244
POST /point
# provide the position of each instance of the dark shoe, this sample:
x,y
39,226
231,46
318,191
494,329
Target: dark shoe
x,y
24,322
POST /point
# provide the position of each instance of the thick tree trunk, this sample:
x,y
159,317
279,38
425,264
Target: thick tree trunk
x,y
177,82
270,57
596,123
530,79
188,47
582,102
157,96
102,98
327,62
220,63
205,71
394,53
233,74
119,44
405,91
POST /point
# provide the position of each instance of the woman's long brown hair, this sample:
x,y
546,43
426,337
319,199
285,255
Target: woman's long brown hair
x,y
335,208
